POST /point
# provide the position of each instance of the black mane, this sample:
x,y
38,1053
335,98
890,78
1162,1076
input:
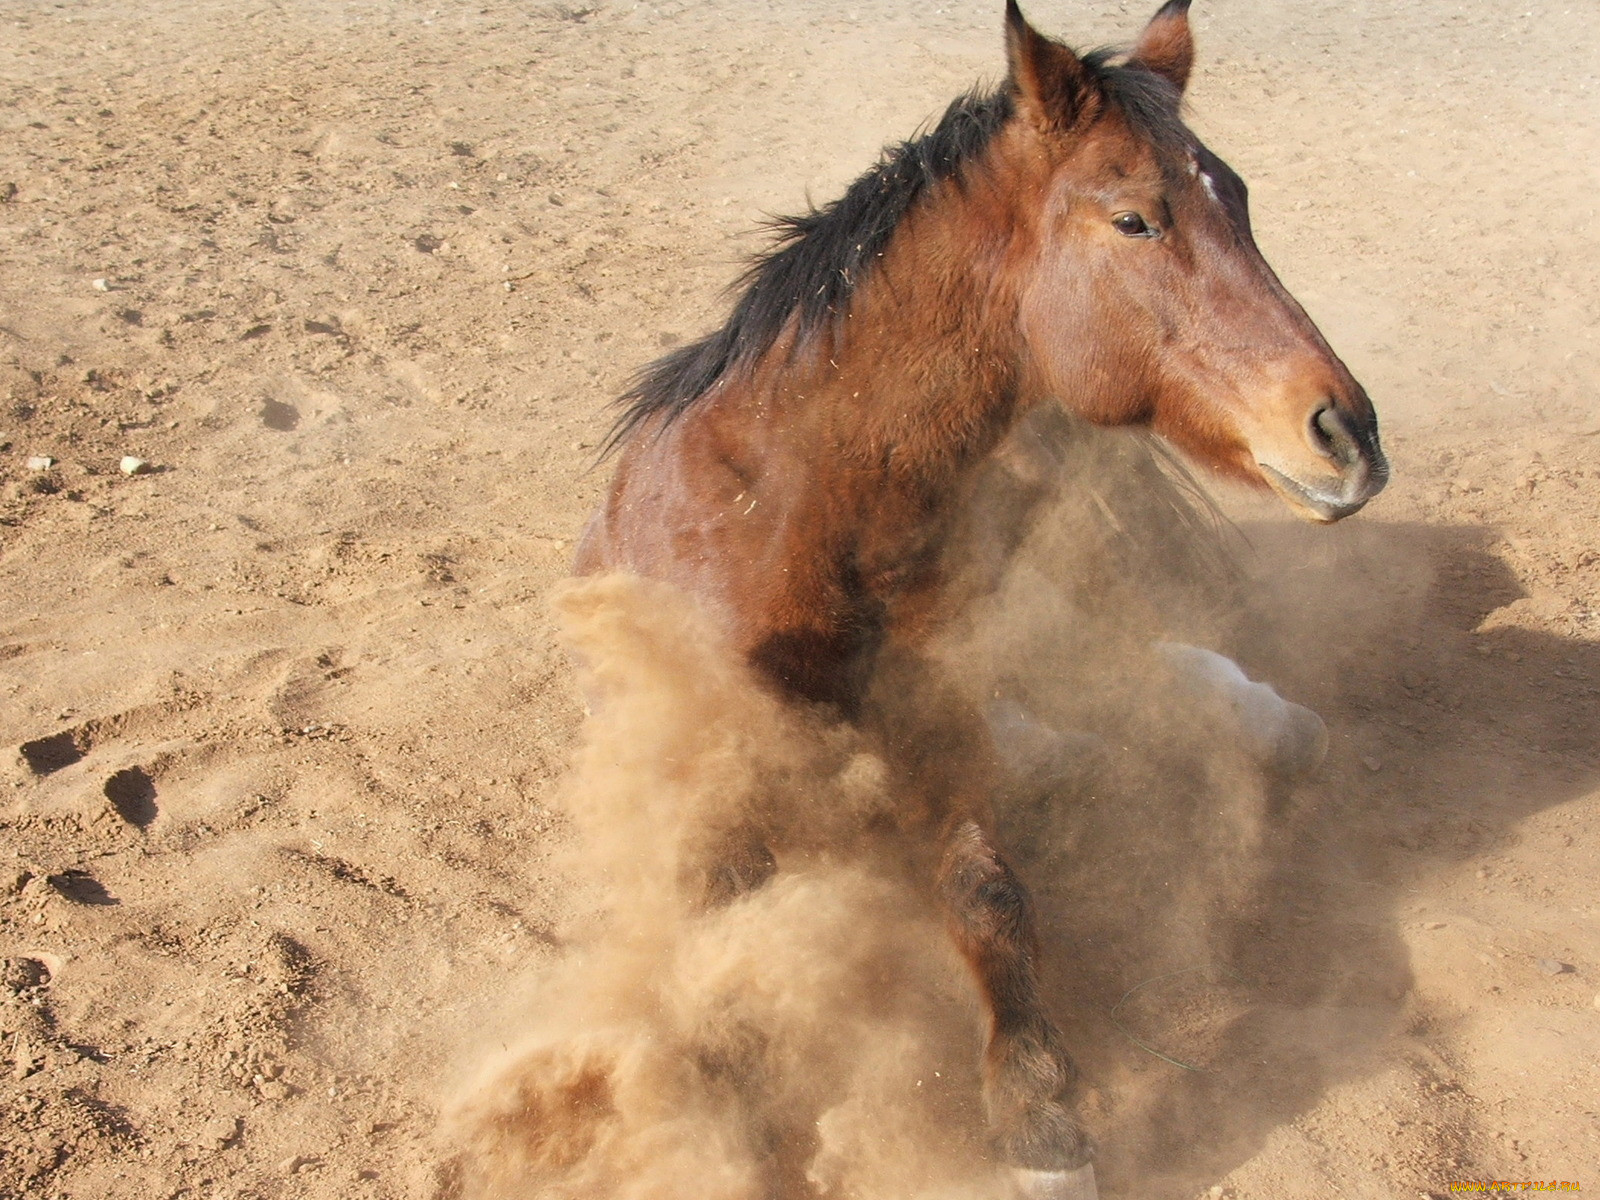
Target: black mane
x,y
819,258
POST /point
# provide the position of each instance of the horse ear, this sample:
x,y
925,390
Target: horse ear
x,y
1052,86
1166,45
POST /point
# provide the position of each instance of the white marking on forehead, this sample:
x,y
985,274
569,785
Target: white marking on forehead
x,y
1206,181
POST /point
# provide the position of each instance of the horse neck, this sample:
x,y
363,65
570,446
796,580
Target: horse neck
x,y
925,363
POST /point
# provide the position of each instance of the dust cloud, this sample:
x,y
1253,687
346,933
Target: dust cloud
x,y
816,1032
736,1025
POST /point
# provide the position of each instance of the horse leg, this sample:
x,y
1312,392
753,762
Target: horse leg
x,y
943,755
1026,1071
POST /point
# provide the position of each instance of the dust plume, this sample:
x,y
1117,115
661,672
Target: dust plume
x,y
764,1002
1125,743
814,1034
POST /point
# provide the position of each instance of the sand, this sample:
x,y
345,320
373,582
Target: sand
x,y
284,718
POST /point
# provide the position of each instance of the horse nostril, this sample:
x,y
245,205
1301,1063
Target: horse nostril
x,y
1329,435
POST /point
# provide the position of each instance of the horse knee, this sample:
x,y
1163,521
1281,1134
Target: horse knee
x,y
989,906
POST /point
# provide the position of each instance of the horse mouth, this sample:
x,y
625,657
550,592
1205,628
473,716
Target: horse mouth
x,y
1323,505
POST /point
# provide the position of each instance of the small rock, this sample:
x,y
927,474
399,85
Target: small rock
x,y
134,465
1372,764
1597,999
1554,966
273,1089
102,285
222,1132
40,462
25,1059
1433,924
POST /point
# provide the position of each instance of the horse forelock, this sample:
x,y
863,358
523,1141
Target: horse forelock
x,y
1149,103
804,284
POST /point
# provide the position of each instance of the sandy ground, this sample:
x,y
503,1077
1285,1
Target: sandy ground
x,y
284,718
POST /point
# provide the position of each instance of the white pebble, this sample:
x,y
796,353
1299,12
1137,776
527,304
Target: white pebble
x,y
40,462
132,465
102,285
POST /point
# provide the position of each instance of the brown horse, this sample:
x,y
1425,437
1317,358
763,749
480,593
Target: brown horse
x,y
1064,240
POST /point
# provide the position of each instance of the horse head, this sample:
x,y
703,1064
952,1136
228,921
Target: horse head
x,y
1145,299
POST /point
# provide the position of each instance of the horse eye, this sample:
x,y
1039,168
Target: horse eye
x,y
1131,224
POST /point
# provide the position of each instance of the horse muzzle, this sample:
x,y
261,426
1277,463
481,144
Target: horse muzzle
x,y
1345,469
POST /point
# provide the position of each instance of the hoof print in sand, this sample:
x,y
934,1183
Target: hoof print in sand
x,y
49,754
276,415
82,888
133,795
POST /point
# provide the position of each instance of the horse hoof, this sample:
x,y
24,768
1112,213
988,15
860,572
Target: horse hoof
x,y
1301,745
1284,739
1076,1184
